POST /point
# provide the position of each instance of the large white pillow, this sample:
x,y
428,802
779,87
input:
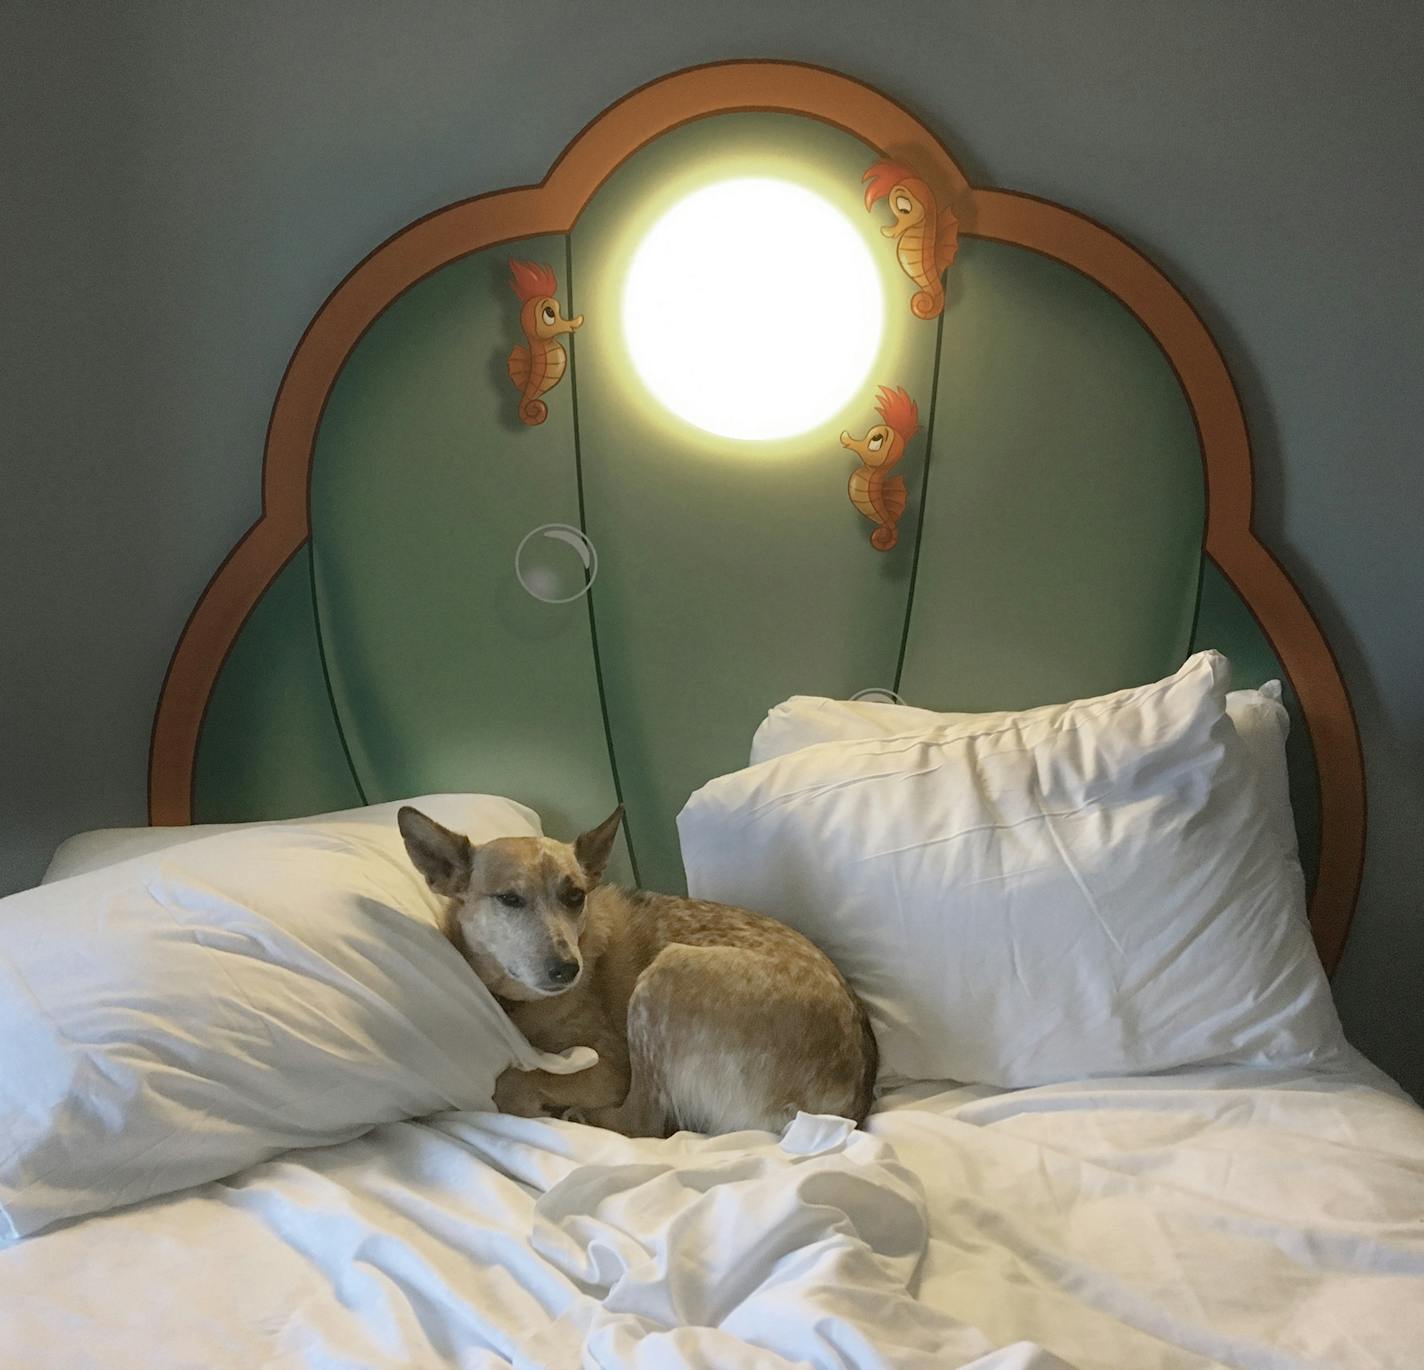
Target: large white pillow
x,y
1083,889
100,847
179,1016
1258,715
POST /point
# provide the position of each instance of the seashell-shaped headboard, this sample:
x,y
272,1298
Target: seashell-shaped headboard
x,y
449,589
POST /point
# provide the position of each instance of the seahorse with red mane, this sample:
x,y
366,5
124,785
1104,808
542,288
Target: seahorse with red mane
x,y
926,234
877,494
539,364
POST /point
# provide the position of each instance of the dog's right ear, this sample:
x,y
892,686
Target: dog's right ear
x,y
443,857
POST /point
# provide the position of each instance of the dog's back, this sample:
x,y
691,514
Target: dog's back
x,y
734,1020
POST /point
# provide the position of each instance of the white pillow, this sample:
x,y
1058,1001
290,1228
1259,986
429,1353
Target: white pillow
x,y
804,720
100,847
177,1017
1083,889
92,851
1263,724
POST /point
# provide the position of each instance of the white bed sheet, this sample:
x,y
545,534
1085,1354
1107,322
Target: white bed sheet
x,y
1226,1217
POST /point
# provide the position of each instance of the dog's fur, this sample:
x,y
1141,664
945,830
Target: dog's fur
x,y
704,1016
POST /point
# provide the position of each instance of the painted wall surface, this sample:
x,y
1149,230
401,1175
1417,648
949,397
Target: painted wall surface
x,y
181,185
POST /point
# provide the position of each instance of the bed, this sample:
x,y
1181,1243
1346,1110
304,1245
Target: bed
x,y
1232,1218
601,606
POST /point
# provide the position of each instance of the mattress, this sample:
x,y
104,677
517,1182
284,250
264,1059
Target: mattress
x,y
1231,1217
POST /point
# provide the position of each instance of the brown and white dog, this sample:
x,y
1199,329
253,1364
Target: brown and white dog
x,y
705,1017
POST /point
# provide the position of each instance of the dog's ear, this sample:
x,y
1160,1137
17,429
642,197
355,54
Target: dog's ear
x,y
593,848
441,856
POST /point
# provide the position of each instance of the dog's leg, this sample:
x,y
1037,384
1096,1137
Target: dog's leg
x,y
642,1112
518,1093
536,1093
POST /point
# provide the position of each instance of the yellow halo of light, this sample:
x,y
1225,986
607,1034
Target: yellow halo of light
x,y
753,309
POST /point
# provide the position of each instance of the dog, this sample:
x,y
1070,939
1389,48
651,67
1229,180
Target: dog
x,y
706,1018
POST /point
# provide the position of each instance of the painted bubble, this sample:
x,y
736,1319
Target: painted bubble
x,y
556,563
875,694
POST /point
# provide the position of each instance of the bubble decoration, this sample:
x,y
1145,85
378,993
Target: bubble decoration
x,y
556,563
877,695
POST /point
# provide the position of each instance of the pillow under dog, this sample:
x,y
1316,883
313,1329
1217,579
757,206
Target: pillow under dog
x,y
1086,889
100,847
179,1016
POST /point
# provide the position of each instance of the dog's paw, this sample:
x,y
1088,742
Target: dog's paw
x,y
514,1094
572,1114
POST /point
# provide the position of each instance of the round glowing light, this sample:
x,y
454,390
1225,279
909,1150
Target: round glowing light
x,y
753,309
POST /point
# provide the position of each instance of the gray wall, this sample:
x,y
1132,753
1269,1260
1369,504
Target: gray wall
x,y
184,183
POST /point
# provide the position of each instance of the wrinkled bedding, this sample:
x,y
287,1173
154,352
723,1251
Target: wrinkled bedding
x,y
1224,1217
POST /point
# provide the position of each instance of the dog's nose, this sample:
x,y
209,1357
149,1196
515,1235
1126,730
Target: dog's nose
x,y
562,972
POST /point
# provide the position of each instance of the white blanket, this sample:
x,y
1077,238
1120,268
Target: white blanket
x,y
1230,1217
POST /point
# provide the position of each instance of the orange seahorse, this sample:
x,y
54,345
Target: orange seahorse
x,y
538,366
878,495
927,234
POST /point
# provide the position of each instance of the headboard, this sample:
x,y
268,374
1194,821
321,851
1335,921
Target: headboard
x,y
443,595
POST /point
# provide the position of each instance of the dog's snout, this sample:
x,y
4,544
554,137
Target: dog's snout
x,y
562,972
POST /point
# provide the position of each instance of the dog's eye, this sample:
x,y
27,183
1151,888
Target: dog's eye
x,y
573,896
510,900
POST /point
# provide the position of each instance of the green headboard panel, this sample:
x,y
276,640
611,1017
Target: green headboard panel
x,y
1064,511
732,574
270,745
372,637
445,674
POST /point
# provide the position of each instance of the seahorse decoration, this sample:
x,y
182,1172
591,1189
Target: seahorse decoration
x,y
926,234
538,365
877,494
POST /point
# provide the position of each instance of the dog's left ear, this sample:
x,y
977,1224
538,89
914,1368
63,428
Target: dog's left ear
x,y
594,847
